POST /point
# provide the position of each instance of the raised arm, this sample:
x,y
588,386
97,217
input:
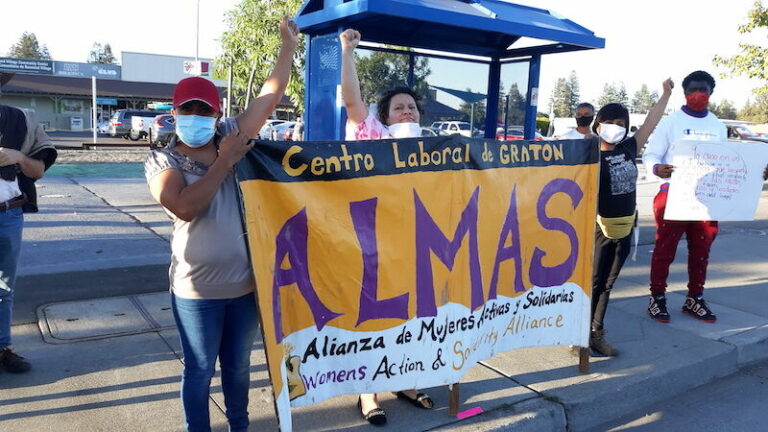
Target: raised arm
x,y
654,115
350,83
251,120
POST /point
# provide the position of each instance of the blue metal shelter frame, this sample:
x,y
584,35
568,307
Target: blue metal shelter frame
x,y
485,29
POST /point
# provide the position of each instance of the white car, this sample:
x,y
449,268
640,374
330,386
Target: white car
x,y
266,131
102,127
457,127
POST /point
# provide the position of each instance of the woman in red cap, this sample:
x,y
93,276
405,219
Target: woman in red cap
x,y
212,285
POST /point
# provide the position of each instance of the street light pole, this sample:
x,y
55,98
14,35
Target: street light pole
x,y
197,32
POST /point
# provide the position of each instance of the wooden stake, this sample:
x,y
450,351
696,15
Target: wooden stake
x,y
583,360
453,399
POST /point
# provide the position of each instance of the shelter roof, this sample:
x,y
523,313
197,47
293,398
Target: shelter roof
x,y
488,28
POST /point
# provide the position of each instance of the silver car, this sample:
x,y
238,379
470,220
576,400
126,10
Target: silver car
x,y
120,122
266,131
161,130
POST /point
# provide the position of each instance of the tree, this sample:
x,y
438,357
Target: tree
x,y
574,95
251,45
101,54
613,93
756,112
516,106
753,60
382,71
643,100
565,96
723,110
29,48
559,100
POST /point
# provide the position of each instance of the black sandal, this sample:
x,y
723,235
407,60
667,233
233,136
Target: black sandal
x,y
422,400
376,416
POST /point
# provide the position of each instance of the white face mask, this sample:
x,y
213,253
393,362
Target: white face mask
x,y
405,130
612,133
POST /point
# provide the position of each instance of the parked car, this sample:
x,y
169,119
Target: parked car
x,y
458,127
102,127
437,125
266,131
280,132
120,122
514,133
432,131
161,130
743,132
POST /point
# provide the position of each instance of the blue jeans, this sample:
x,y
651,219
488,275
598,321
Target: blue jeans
x,y
11,223
216,328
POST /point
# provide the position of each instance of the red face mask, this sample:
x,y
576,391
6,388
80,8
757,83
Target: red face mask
x,y
697,101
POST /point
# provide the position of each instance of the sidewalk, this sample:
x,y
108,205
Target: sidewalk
x,y
108,358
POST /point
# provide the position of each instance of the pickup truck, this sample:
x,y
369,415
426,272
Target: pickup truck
x,y
140,127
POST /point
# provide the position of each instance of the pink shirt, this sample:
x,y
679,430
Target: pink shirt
x,y
370,129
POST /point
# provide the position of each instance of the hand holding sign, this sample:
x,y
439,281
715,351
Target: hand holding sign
x,y
715,181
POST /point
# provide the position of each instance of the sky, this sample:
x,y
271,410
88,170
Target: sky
x,y
646,40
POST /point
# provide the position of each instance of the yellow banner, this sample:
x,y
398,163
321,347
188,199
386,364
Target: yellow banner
x,y
398,274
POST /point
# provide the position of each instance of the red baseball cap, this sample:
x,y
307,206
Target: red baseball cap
x,y
196,88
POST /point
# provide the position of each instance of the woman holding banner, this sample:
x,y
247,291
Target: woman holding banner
x,y
398,113
616,203
212,284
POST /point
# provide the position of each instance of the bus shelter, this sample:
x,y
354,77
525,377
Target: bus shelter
x,y
491,33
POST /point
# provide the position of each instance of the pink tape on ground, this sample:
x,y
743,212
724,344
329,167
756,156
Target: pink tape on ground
x,y
469,413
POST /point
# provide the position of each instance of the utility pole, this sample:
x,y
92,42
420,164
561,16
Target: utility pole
x,y
197,32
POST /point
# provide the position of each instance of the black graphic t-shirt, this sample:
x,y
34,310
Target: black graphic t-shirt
x,y
618,179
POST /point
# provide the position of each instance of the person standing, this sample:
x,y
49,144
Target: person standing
x,y
212,284
585,113
616,204
693,122
298,130
398,114
26,152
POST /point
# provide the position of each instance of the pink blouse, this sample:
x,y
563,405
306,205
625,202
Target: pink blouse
x,y
370,129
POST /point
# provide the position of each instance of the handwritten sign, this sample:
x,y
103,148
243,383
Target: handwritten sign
x,y
716,181
388,265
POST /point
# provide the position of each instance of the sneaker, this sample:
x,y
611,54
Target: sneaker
x,y
12,362
599,345
697,308
657,308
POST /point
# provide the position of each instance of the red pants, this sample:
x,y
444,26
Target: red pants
x,y
699,235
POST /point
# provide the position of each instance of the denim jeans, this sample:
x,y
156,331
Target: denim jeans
x,y
216,328
11,223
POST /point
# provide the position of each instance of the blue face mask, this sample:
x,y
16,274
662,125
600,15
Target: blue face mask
x,y
195,131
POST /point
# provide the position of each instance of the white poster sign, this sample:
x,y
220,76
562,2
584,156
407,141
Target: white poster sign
x,y
718,181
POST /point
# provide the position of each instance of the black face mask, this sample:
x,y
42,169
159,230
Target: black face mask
x,y
584,121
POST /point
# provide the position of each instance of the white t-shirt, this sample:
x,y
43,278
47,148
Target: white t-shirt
x,y
9,190
680,126
572,134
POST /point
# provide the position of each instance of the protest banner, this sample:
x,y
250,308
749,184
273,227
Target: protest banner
x,y
719,181
388,265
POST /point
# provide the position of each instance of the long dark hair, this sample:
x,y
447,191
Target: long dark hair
x,y
382,106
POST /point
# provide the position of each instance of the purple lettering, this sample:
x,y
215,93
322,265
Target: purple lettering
x,y
511,228
364,219
292,242
541,275
430,238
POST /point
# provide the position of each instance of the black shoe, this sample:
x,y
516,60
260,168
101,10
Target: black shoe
x,y
657,308
422,400
697,308
12,362
376,416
